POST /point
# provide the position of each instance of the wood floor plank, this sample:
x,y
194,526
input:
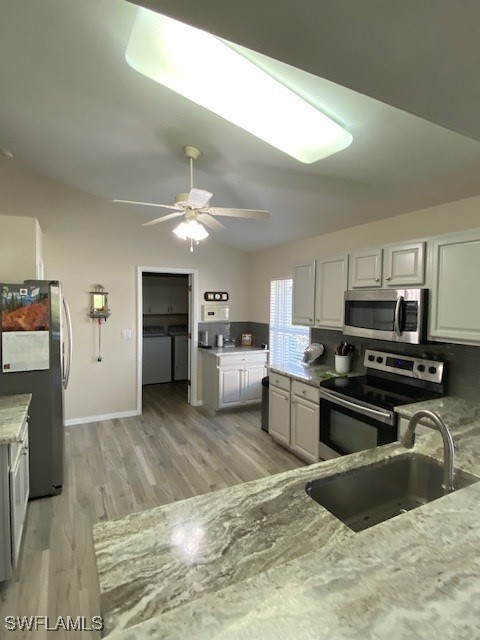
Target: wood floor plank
x,y
117,467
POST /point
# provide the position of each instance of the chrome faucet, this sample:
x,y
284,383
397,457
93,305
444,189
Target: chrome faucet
x,y
448,447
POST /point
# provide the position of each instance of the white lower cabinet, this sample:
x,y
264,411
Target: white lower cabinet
x,y
279,415
233,380
14,489
304,428
294,416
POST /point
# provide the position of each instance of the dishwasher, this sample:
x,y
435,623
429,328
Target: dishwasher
x,y
157,356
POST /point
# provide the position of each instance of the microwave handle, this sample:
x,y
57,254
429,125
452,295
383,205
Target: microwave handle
x,y
398,311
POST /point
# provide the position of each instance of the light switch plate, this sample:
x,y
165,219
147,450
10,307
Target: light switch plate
x,y
126,334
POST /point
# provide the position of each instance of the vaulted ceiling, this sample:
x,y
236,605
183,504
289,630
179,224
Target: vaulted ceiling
x,y
73,109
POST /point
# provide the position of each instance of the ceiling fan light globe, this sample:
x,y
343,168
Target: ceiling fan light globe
x,y
191,230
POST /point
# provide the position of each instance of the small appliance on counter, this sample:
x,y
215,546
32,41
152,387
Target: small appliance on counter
x,y
228,343
312,353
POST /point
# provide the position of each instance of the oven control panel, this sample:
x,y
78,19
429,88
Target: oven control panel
x,y
419,368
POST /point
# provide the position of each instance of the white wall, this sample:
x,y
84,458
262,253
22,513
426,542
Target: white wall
x,y
278,262
87,241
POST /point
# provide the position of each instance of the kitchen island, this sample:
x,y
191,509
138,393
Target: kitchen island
x,y
264,560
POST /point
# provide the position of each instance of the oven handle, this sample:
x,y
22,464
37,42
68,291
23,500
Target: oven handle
x,y
367,411
398,309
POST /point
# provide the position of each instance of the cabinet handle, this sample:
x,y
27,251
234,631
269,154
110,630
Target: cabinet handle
x,y
303,391
287,399
25,451
377,279
388,278
310,319
317,320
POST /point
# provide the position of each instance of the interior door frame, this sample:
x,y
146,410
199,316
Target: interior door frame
x,y
193,310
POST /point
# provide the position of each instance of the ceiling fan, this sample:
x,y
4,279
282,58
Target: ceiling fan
x,y
194,206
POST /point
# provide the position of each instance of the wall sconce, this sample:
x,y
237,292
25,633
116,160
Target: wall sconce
x,y
99,311
99,303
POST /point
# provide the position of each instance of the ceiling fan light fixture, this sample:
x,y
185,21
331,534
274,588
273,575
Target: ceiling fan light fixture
x,y
191,230
209,72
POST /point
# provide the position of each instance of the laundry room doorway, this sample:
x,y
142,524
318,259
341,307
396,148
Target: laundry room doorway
x,y
167,333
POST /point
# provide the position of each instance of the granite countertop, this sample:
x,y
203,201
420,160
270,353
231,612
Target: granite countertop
x,y
13,412
264,560
225,351
312,375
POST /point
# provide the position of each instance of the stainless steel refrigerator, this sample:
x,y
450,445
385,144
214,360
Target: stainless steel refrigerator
x,y
36,349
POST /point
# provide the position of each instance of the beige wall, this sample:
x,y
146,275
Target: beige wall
x,y
86,241
278,262
20,247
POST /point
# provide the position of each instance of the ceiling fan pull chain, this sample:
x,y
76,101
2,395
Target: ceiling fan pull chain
x,y
191,173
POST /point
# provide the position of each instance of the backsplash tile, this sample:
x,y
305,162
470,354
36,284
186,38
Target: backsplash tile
x,y
234,330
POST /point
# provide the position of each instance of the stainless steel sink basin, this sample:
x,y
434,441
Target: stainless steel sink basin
x,y
364,497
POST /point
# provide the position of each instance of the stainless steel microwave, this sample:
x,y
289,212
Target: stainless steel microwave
x,y
397,315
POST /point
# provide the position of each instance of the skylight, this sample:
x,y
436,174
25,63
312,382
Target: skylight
x,y
207,71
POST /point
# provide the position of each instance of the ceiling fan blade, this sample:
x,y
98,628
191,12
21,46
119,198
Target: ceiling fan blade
x,y
209,221
198,198
150,204
163,218
238,213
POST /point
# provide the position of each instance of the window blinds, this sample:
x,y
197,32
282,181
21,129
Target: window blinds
x,y
287,342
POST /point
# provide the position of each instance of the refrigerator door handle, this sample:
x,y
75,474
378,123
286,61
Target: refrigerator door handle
x,y
67,362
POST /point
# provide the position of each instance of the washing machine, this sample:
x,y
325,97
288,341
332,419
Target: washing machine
x,y
179,335
157,356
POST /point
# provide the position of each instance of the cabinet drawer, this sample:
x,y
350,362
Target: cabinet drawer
x,y
305,391
277,380
242,359
15,449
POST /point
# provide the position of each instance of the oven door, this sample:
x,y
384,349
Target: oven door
x,y
347,426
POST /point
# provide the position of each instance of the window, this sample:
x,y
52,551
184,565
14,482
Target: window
x,y
287,341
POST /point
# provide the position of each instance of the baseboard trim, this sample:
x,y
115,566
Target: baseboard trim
x,y
106,416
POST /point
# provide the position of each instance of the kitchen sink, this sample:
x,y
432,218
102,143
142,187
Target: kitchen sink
x,y
364,497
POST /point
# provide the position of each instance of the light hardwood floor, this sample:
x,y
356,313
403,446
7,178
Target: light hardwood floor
x,y
116,467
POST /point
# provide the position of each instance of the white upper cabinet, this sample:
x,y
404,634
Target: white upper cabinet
x,y
366,268
331,284
304,293
394,266
455,291
162,295
404,265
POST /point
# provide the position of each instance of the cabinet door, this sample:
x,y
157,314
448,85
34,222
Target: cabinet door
x,y
366,269
159,295
279,415
178,295
304,429
230,387
303,293
455,298
19,492
404,265
146,295
252,383
331,284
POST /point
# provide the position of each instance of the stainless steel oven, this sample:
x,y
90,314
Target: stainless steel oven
x,y
358,412
398,315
